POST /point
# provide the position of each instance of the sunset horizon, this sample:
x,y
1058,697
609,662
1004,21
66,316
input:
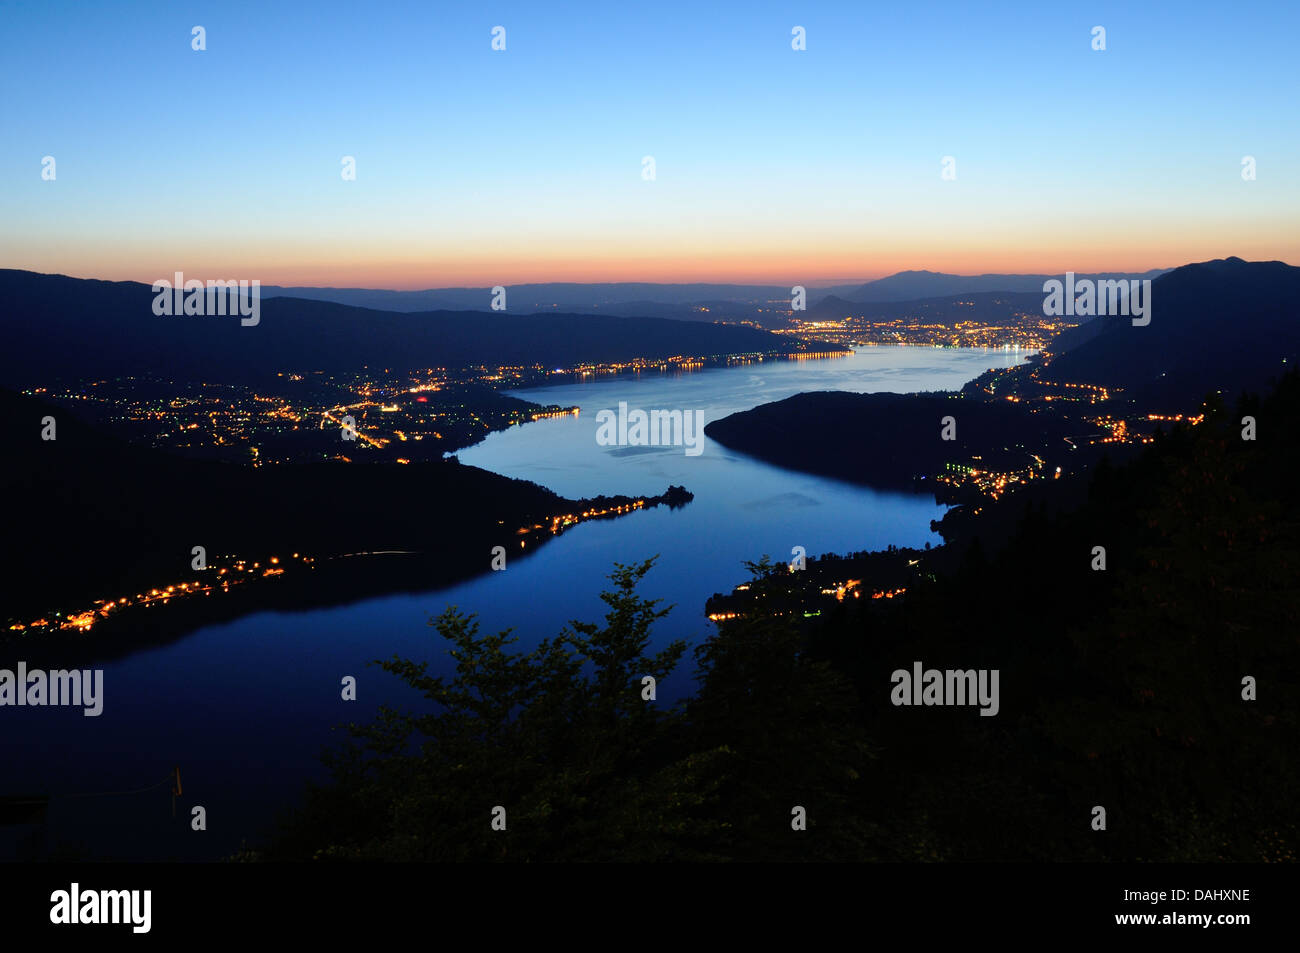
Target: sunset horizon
x,y
717,440
290,277
430,163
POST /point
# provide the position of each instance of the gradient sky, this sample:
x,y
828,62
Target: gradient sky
x,y
479,168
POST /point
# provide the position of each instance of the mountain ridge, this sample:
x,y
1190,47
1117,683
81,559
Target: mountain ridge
x,y
75,327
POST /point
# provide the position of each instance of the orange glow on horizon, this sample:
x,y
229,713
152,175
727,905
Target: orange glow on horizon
x,y
827,261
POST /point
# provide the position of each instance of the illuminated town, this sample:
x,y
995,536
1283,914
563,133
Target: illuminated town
x,y
402,417
397,417
229,571
822,583
225,572
1021,330
1103,416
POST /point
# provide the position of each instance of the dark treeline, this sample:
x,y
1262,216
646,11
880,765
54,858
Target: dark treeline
x,y
1226,325
74,328
92,517
886,440
1120,689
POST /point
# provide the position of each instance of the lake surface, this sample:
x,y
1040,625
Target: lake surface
x,y
245,707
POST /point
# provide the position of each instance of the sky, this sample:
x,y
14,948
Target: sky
x,y
480,167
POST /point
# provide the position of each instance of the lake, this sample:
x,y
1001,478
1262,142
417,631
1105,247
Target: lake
x,y
245,707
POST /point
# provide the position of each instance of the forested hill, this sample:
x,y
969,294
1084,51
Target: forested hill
x,y
1228,325
92,517
54,325
883,439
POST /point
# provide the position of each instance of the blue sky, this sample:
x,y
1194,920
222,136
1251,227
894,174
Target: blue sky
x,y
475,166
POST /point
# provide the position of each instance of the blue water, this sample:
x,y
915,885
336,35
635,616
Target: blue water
x,y
245,707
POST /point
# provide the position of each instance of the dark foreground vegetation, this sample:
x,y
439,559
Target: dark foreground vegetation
x,y
1121,688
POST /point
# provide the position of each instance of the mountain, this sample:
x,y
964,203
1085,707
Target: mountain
x,y
55,325
883,439
679,301
913,285
609,297
1227,325
762,305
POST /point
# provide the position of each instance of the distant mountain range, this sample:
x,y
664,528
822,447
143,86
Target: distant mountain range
x,y
611,297
682,301
766,306
1224,324
912,285
55,325
1227,325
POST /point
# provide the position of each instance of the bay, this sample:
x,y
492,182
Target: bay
x,y
245,707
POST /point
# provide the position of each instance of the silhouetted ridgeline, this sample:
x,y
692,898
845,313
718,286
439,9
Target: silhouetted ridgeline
x,y
579,297
1228,325
92,517
882,439
1224,325
911,286
71,327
